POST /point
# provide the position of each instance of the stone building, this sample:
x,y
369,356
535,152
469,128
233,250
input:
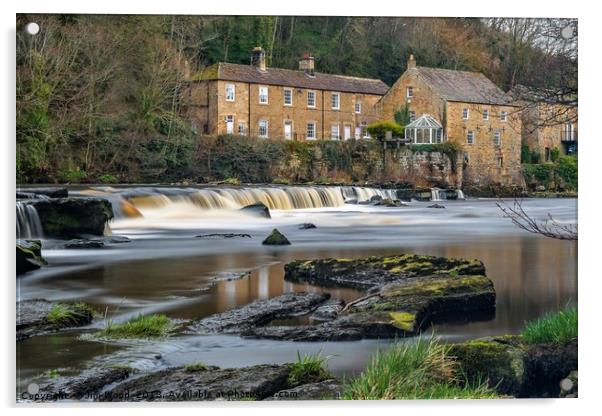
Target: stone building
x,y
462,107
546,123
283,104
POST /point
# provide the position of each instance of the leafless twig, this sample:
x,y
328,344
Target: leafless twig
x,y
548,228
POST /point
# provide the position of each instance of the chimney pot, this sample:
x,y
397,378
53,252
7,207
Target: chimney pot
x,y
258,58
411,62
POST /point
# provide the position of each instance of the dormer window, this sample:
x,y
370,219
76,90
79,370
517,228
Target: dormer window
x,y
410,92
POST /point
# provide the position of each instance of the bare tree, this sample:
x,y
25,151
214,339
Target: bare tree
x,y
548,228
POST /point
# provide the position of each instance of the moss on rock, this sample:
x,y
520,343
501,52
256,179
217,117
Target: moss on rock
x,y
276,238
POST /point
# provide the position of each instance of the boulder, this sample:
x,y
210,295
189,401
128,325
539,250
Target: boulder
x,y
34,317
328,311
87,384
376,198
83,244
568,386
223,235
514,368
276,238
324,390
259,210
73,217
405,194
260,312
44,192
438,206
29,256
306,226
392,203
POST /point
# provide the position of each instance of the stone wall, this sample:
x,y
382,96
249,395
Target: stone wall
x,y
429,169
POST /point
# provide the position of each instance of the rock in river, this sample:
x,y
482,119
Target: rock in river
x,y
306,226
73,217
276,238
29,256
39,316
259,209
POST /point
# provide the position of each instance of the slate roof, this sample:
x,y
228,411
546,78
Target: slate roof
x,y
463,86
291,78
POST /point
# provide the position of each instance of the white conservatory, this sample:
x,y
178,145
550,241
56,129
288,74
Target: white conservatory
x,y
424,130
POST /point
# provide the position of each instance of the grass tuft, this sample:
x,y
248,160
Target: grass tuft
x,y
555,328
65,314
193,368
144,326
309,368
414,370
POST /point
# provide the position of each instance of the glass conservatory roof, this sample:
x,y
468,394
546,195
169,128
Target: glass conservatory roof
x,y
425,121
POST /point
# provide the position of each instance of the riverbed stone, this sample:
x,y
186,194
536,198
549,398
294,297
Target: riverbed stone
x,y
217,236
276,238
33,317
260,312
208,383
83,244
259,210
73,217
328,311
87,384
29,256
306,226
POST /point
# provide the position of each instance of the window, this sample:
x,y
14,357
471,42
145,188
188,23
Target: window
x,y
410,92
358,108
263,95
311,130
497,138
485,114
465,113
504,116
470,137
230,92
412,116
263,128
336,101
334,132
241,129
311,99
364,129
288,96
500,162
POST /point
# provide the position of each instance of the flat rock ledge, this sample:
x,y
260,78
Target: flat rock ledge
x,y
405,294
517,369
32,317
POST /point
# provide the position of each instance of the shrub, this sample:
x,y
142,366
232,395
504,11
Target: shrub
x,y
107,178
525,154
72,176
554,154
567,170
414,370
555,328
309,368
539,172
379,129
149,326
63,314
193,368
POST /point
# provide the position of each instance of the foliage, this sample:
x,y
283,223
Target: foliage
x,y
535,156
107,178
557,328
564,171
539,172
402,115
567,170
192,368
379,129
63,314
420,369
72,176
525,154
144,326
309,368
451,149
554,154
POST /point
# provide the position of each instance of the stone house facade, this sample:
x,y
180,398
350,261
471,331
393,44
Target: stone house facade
x,y
546,124
282,104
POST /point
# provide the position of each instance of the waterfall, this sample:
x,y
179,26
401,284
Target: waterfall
x,y
438,194
28,221
461,194
364,194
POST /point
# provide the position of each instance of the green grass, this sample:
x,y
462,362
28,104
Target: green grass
x,y
555,328
309,368
193,368
144,326
64,314
414,370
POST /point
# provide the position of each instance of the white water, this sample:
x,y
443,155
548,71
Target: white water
x,y
28,222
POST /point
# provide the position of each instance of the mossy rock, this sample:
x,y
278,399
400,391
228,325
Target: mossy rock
x,y
29,256
276,238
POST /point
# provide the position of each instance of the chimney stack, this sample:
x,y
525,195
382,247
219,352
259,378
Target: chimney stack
x,y
307,64
258,58
411,62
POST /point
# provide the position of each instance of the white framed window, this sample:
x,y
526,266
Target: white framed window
x,y
335,134
311,130
465,113
470,137
364,129
263,95
358,108
485,114
410,92
288,96
497,138
242,129
336,101
311,99
263,129
504,116
230,92
412,116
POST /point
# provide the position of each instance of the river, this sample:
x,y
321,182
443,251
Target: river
x,y
167,269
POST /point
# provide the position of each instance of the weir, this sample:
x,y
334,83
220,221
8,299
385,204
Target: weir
x,y
28,222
